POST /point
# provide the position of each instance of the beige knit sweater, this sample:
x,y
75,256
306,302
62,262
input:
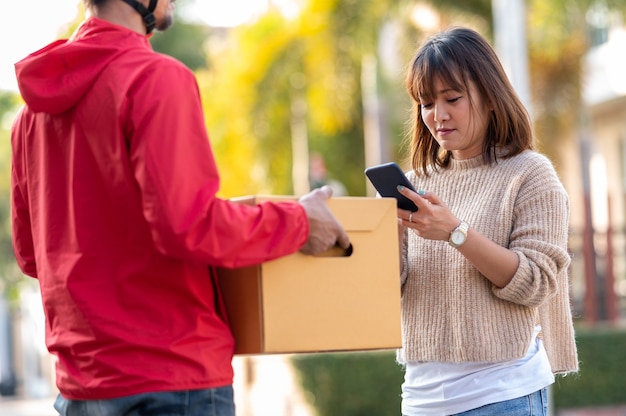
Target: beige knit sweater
x,y
450,312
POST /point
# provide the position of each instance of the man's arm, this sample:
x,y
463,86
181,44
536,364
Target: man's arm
x,y
177,174
21,233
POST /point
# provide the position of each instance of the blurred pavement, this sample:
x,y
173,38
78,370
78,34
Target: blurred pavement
x,y
15,406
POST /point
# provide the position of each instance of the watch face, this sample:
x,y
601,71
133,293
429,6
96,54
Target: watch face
x,y
458,237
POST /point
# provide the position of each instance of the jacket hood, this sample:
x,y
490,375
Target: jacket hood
x,y
53,79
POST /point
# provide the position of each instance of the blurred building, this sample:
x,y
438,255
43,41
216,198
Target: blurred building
x,y
595,174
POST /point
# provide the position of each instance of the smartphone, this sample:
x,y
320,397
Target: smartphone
x,y
386,178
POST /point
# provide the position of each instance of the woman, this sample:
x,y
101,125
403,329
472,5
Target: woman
x,y
486,315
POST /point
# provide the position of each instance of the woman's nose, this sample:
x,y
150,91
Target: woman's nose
x,y
441,114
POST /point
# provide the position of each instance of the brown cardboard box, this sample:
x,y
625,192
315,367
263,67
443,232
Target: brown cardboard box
x,y
303,303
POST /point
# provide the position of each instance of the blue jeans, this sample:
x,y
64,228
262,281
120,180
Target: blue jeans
x,y
207,402
535,404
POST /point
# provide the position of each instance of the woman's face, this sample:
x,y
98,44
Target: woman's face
x,y
457,126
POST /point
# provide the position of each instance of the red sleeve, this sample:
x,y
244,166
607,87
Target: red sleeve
x,y
176,171
21,233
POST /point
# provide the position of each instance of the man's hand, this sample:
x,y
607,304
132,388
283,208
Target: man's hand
x,y
324,229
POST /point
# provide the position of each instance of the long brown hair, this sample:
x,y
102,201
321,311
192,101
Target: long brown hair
x,y
461,57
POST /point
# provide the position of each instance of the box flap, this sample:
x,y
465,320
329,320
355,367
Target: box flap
x,y
371,212
367,218
255,199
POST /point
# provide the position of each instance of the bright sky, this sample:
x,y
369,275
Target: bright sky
x,y
28,25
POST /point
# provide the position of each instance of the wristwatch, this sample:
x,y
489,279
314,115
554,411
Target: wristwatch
x,y
459,234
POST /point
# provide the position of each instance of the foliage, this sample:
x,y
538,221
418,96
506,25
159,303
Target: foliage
x,y
557,44
8,270
228,92
601,380
473,13
472,7
185,42
262,69
351,384
559,38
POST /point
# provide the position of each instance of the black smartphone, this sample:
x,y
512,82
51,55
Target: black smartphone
x,y
386,178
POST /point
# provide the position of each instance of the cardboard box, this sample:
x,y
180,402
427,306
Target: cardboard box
x,y
303,303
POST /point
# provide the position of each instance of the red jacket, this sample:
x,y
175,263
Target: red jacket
x,y
114,210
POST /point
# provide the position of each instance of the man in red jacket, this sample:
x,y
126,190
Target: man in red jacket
x,y
114,211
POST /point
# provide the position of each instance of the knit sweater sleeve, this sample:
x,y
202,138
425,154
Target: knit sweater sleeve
x,y
539,234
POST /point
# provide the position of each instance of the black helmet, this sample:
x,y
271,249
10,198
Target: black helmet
x,y
148,17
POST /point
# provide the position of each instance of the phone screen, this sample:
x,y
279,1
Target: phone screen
x,y
386,178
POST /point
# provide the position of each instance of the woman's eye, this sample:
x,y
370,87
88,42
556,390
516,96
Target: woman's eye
x,y
426,105
454,100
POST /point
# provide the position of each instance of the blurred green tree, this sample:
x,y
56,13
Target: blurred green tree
x,y
184,41
560,35
279,74
9,275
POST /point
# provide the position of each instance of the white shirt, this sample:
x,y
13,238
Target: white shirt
x,y
439,389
